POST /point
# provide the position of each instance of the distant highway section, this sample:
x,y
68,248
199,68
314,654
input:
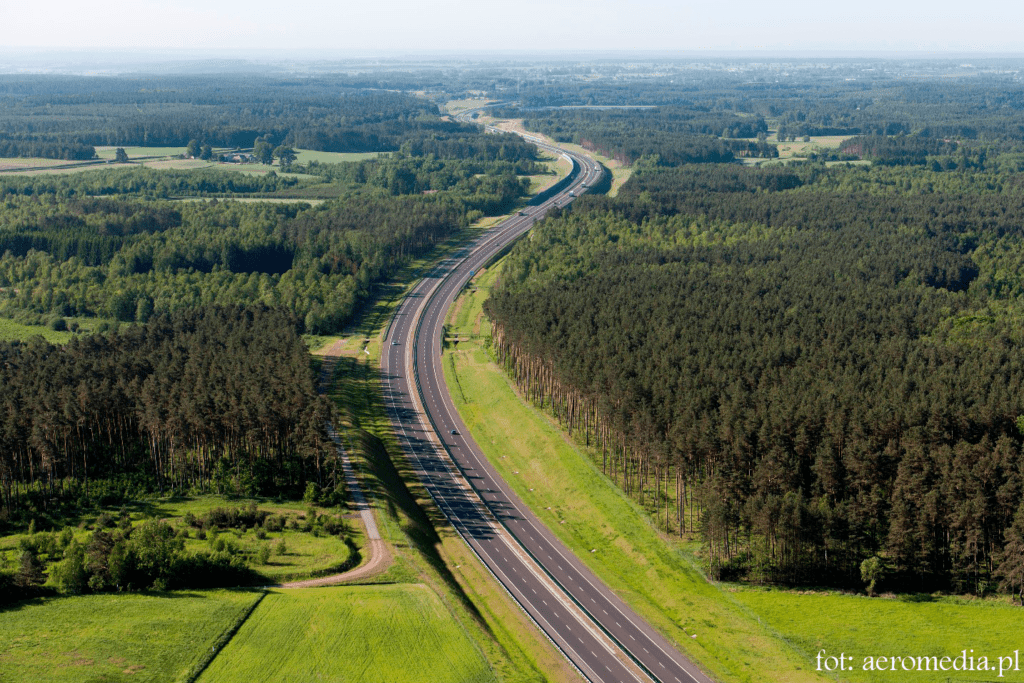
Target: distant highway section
x,y
603,638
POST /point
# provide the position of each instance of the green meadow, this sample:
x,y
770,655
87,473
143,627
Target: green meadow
x,y
152,637
895,626
372,634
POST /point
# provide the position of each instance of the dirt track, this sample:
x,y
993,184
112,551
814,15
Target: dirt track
x,y
380,560
377,549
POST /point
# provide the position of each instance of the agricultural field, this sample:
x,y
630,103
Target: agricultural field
x,y
738,634
108,152
11,330
304,156
17,163
153,637
168,158
357,633
31,168
794,151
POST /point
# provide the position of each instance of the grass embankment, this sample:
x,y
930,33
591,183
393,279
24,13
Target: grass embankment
x,y
455,107
153,637
557,168
398,634
742,634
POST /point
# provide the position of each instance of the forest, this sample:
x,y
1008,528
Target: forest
x,y
213,398
113,244
809,366
63,116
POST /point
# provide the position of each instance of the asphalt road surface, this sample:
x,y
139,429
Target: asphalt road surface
x,y
597,631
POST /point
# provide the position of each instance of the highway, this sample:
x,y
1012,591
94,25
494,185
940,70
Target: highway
x,y
603,638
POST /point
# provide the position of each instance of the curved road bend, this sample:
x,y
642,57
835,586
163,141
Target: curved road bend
x,y
605,639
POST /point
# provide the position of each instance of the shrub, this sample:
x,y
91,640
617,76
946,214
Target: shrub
x,y
335,525
312,494
30,572
70,574
104,521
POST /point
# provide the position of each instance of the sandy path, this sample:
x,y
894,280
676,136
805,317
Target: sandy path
x,y
377,549
380,560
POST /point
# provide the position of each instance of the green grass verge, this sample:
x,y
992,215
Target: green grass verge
x,y
912,626
152,637
426,549
393,634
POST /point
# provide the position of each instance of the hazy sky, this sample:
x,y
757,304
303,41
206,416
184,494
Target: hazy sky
x,y
388,25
